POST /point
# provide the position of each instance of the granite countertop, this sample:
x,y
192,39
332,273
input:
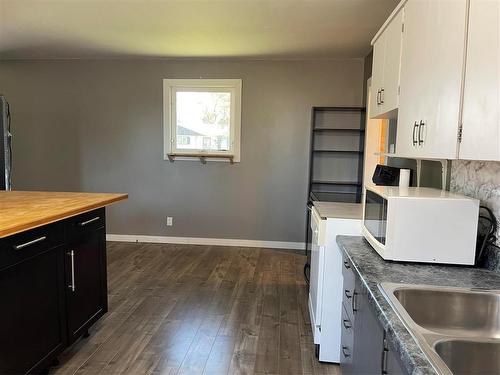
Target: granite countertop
x,y
24,210
339,210
373,270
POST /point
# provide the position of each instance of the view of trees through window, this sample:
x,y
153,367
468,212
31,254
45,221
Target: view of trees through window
x,y
203,120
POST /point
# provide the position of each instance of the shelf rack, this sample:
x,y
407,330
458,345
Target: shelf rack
x,y
336,154
445,166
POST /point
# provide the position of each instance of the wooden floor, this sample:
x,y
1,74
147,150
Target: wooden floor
x,y
179,309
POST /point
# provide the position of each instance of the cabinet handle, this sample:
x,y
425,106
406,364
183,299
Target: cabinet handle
x,y
381,96
29,243
378,97
346,324
72,286
83,223
353,302
415,126
420,126
384,357
346,264
345,351
346,292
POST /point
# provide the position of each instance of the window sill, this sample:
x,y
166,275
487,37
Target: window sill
x,y
203,157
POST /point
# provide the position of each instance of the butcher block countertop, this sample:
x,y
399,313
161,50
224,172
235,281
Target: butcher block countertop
x,y
24,210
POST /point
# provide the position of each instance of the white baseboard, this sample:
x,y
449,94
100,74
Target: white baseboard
x,y
206,241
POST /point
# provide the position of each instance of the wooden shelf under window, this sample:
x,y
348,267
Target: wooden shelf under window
x,y
203,157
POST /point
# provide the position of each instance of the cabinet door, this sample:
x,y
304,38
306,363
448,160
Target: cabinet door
x,y
86,281
392,61
32,313
393,363
368,338
481,106
431,77
377,76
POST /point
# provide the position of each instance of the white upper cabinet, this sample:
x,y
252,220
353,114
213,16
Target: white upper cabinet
x,y
432,63
481,105
385,73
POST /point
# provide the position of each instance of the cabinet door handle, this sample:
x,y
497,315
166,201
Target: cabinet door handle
x,y
72,286
83,223
420,126
384,357
347,294
381,96
346,323
415,126
353,302
346,264
345,351
29,243
378,97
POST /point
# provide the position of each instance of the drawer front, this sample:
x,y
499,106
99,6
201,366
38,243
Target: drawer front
x,y
84,223
346,343
18,247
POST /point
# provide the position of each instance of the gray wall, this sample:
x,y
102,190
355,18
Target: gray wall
x,y
97,126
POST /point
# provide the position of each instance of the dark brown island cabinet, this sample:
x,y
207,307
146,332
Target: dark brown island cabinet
x,y
365,348
53,287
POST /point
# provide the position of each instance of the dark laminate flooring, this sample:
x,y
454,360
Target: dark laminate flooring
x,y
183,309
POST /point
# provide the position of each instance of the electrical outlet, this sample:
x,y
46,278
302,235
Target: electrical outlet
x,y
170,221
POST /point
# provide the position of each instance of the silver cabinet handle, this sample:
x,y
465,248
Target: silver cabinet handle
x,y
385,351
72,286
354,305
378,97
29,243
83,223
345,351
415,126
381,96
346,323
420,126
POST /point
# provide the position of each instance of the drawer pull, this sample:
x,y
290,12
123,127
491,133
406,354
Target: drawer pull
x,y
72,286
346,264
345,351
83,223
347,293
354,305
346,323
29,243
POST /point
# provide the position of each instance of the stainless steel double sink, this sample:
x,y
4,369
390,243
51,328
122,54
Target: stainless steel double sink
x,y
458,329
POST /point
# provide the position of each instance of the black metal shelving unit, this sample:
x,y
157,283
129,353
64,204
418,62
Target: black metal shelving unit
x,y
336,157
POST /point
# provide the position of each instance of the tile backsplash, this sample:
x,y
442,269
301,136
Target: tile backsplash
x,y
481,180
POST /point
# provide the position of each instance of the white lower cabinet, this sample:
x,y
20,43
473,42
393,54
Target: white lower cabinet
x,y
481,105
325,293
432,63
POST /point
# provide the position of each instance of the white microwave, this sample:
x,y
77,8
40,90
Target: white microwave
x,y
420,224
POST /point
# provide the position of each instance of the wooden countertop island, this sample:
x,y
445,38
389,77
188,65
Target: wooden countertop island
x,y
24,210
53,274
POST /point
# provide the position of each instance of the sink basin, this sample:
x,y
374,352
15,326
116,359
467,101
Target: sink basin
x,y
470,357
457,328
453,311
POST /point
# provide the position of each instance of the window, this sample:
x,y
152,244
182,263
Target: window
x,y
202,117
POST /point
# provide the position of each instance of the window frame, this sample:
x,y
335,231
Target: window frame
x,y
171,87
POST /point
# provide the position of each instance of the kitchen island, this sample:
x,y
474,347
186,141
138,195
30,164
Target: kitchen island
x,y
53,283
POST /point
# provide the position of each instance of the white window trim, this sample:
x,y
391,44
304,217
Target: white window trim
x,y
170,86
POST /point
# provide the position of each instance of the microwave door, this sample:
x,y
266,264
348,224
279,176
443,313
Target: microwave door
x,y
376,216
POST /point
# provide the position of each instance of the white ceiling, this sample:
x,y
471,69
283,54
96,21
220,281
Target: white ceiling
x,y
189,28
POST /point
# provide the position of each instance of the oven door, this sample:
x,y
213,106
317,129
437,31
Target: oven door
x,y
375,221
